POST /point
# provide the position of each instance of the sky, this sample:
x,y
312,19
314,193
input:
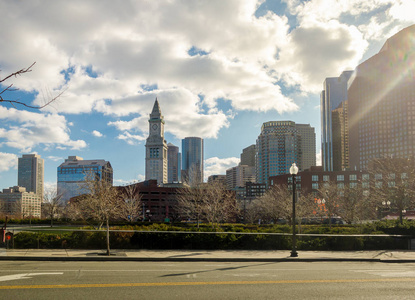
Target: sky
x,y
219,69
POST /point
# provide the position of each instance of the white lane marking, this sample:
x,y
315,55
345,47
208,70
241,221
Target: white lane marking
x,y
25,276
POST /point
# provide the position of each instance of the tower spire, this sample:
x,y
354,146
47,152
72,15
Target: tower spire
x,y
156,112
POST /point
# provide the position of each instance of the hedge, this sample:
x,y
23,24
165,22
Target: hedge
x,y
224,241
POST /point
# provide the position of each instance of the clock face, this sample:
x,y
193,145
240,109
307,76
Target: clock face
x,y
154,126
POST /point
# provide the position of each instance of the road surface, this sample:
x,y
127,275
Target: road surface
x,y
206,280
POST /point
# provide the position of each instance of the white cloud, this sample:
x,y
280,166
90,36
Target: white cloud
x,y
55,158
130,138
97,133
24,130
110,56
120,182
8,161
217,166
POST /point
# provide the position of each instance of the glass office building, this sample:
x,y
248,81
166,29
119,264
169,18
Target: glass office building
x,y
192,160
72,174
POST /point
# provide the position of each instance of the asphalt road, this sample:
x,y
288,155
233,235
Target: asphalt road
x,y
205,280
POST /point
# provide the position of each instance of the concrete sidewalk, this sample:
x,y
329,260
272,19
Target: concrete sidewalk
x,y
205,255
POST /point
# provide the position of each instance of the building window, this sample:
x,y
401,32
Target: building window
x,y
314,185
340,185
365,176
326,178
340,177
378,176
352,177
353,184
378,184
314,178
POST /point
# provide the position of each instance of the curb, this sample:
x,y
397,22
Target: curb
x,y
172,259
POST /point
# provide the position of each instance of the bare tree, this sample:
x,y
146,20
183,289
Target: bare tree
x,y
190,203
393,181
207,201
275,204
52,204
10,88
355,204
130,204
219,204
329,195
100,203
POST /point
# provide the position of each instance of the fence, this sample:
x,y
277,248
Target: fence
x,y
49,238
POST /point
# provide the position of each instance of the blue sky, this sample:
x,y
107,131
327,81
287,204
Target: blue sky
x,y
218,68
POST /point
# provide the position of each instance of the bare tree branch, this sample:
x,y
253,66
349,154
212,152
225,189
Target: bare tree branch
x,y
10,88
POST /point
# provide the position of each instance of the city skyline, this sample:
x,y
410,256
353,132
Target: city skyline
x,y
258,62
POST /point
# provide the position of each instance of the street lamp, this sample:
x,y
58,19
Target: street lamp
x,y
293,172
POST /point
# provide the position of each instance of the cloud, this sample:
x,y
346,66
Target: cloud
x,y
130,138
97,133
320,51
121,182
55,158
8,161
217,166
110,59
119,57
24,130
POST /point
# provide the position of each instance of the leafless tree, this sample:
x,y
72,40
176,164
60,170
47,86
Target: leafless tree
x,y
52,204
10,88
393,181
130,204
275,204
329,197
219,204
190,203
207,201
100,203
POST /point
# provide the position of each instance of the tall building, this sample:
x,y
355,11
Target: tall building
x,y
279,145
340,136
308,145
156,147
31,173
74,171
248,156
231,178
17,202
173,163
333,94
192,160
381,103
217,179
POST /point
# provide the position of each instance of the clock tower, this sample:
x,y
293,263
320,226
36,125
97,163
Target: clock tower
x,y
156,147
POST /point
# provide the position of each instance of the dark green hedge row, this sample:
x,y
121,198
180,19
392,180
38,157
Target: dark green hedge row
x,y
147,240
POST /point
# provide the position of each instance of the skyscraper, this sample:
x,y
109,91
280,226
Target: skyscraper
x,y
248,156
333,94
74,171
173,163
381,103
192,160
156,147
279,145
31,173
308,145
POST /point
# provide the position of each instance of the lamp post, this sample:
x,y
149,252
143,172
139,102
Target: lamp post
x,y
293,172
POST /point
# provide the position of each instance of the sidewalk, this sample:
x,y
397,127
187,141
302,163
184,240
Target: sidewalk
x,y
205,255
